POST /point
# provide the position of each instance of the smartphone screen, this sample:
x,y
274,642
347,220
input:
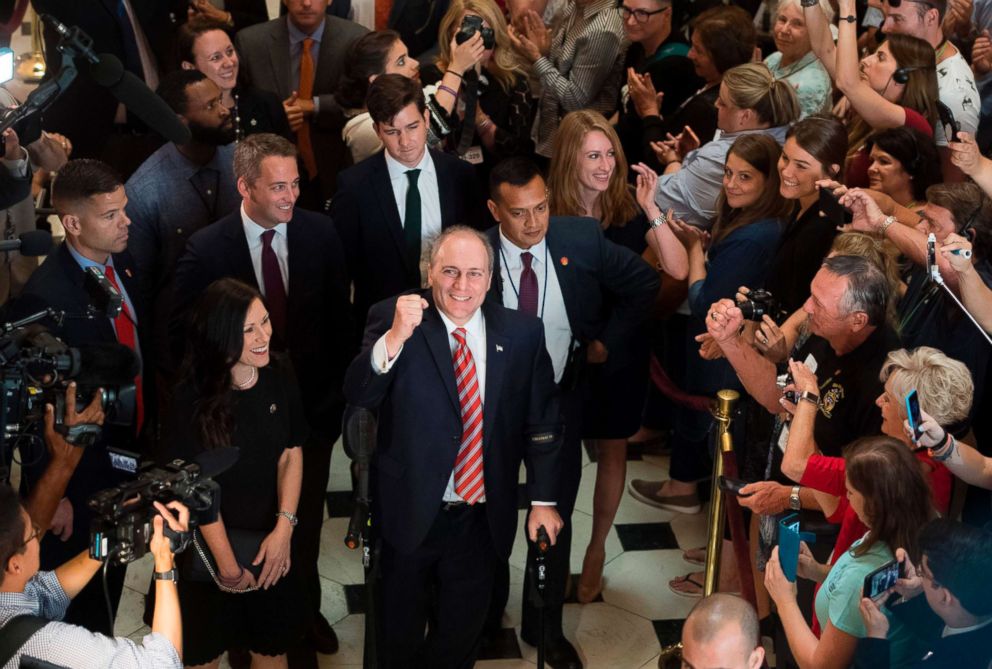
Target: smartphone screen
x,y
6,65
879,581
932,255
913,413
830,207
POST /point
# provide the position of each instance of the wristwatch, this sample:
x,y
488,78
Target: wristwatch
x,y
291,517
658,221
171,575
809,396
850,18
794,503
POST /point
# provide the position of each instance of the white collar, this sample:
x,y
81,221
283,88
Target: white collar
x,y
254,230
951,631
511,252
476,325
398,170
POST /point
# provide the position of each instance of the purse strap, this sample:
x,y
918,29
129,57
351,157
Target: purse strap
x,y
210,570
15,634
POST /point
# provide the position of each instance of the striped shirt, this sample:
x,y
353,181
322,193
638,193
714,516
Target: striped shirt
x,y
583,69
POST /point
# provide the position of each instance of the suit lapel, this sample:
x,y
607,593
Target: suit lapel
x,y
387,203
295,243
445,185
558,250
279,58
497,352
496,287
240,258
436,335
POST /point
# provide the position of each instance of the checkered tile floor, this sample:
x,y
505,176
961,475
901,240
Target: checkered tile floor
x,y
636,616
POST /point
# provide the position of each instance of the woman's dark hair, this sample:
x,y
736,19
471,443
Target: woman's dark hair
x,y
897,501
365,58
728,35
915,152
190,31
215,342
971,209
824,137
11,527
761,152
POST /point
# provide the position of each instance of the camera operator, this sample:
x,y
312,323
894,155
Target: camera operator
x,y
26,590
955,577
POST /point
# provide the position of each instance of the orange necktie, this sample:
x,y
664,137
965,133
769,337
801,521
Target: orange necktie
x,y
306,92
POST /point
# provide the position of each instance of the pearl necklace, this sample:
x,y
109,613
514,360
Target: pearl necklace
x,y
251,380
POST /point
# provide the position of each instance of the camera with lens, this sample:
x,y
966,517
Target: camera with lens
x,y
784,380
122,522
472,24
759,303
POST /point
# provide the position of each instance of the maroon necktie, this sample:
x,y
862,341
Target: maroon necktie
x,y
275,289
527,300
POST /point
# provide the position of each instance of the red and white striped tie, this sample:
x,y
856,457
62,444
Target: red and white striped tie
x,y
468,465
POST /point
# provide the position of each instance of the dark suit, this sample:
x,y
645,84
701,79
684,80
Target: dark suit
x,y
608,291
265,63
318,339
368,220
419,433
59,283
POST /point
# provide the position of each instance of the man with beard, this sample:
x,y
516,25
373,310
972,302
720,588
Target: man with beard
x,y
178,190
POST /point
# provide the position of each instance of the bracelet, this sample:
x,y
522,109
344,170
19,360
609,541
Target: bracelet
x,y
889,220
810,397
454,73
943,457
850,19
447,89
486,122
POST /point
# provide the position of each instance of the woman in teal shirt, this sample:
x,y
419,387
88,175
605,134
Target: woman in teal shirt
x,y
888,491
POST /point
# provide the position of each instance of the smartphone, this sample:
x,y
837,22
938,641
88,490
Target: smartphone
x,y
932,268
913,413
733,486
831,208
951,126
878,582
6,65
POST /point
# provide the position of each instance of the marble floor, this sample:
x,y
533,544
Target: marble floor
x,y
636,617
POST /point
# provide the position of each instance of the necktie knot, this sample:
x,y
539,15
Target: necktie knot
x,y
267,238
526,258
307,43
459,335
412,176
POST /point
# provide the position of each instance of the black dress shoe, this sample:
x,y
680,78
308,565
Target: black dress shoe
x,y
559,653
322,636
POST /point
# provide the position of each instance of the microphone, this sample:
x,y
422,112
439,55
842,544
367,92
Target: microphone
x,y
103,365
216,461
31,243
109,72
76,38
106,298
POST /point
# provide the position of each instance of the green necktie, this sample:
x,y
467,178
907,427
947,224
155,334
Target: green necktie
x,y
411,226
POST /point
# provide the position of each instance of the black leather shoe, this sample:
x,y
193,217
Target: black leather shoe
x,y
559,653
322,636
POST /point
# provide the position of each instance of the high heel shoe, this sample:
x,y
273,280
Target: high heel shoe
x,y
591,580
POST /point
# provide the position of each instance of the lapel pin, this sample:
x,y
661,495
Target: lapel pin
x,y
564,261
272,408
499,349
128,272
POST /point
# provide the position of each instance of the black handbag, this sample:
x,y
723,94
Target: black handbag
x,y
202,568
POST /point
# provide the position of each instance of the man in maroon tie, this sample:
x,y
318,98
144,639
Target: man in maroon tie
x,y
464,391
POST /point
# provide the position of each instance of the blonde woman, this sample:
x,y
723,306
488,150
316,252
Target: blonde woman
x,y
588,177
497,125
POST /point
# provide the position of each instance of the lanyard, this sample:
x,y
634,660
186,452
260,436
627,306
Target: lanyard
x,y
544,292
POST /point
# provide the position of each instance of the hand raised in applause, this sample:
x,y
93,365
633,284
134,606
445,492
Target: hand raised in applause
x,y
408,315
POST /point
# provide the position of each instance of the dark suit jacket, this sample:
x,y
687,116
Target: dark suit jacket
x,y
365,213
264,53
420,424
319,314
608,290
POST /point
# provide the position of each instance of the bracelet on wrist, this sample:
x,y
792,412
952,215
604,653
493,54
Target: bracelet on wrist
x,y
457,74
943,451
448,89
229,582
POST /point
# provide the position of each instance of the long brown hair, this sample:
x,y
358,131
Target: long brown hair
x,y
761,152
616,202
920,94
897,499
505,65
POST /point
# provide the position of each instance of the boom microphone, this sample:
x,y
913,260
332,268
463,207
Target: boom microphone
x,y
31,243
109,72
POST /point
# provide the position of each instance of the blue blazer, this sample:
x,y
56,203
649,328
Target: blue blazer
x,y
608,289
420,425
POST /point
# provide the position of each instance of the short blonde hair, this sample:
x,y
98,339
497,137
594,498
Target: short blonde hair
x,y
944,385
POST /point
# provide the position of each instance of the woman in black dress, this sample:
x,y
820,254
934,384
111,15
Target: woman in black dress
x,y
230,395
206,46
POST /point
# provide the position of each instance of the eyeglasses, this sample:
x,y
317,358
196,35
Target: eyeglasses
x,y
35,534
640,15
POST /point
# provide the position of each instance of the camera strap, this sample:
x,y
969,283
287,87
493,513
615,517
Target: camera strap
x,y
16,633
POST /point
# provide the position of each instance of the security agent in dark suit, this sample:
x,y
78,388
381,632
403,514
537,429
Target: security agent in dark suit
x,y
590,294
295,260
385,235
272,59
464,392
90,199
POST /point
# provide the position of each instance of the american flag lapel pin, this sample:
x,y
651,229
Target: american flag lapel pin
x,y
499,349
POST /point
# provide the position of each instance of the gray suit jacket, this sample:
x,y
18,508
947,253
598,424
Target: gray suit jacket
x,y
265,63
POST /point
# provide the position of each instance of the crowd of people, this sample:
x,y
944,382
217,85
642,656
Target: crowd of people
x,y
503,229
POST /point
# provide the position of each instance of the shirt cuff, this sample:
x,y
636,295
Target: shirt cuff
x,y
543,65
381,363
544,503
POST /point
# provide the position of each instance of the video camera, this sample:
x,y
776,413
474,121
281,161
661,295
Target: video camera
x,y
122,523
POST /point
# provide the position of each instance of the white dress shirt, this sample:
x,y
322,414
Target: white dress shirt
x,y
550,302
253,233
430,202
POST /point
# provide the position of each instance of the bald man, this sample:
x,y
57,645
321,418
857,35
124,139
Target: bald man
x,y
721,632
